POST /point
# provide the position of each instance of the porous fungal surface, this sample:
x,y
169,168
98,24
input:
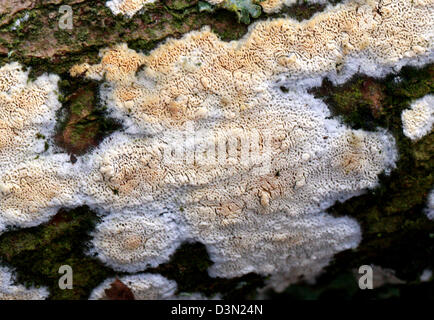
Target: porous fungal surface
x,y
10,291
201,76
127,7
419,119
132,242
224,145
27,112
30,190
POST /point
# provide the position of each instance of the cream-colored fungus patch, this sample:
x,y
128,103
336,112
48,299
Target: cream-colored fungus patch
x,y
35,190
27,110
201,76
214,151
130,242
127,7
271,222
30,190
419,119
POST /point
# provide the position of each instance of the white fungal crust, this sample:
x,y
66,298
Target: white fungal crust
x,y
294,250
215,152
127,7
143,286
272,6
429,210
419,119
11,291
30,190
200,76
26,111
249,220
127,242
198,93
34,191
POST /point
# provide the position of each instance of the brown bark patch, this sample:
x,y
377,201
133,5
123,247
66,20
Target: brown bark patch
x,y
119,291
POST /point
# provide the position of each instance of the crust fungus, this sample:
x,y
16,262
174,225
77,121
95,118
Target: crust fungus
x,y
30,190
371,37
128,242
419,119
127,7
200,86
213,151
272,6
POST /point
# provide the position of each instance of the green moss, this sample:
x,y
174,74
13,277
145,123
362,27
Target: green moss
x,y
37,253
368,103
82,101
63,37
142,45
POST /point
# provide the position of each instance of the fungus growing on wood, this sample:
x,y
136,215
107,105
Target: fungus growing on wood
x,y
127,7
33,184
207,129
128,242
419,119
